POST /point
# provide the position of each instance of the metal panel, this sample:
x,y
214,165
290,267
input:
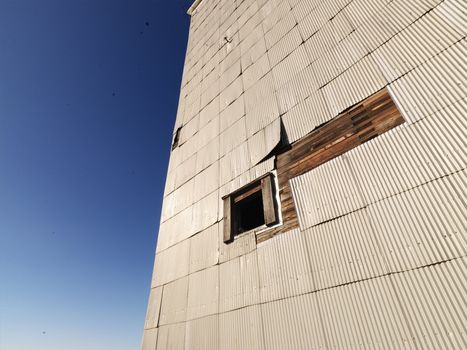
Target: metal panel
x,y
433,299
305,116
423,226
207,155
174,302
360,81
326,192
204,249
149,339
241,245
256,94
171,337
409,156
232,113
364,315
171,263
284,267
297,89
205,214
264,141
239,284
291,65
241,329
417,100
202,334
173,230
344,250
293,323
265,113
416,44
203,293
256,71
233,136
154,307
234,164
281,28
285,47
206,182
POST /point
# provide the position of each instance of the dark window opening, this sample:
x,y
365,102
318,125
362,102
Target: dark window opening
x,y
249,213
251,207
176,139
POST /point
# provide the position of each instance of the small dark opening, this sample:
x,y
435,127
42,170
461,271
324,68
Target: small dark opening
x,y
176,139
249,213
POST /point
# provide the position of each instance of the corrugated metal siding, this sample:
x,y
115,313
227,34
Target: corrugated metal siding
x,y
380,261
171,337
409,156
326,192
202,334
174,302
171,264
241,329
293,323
154,306
239,282
284,267
204,249
364,315
423,226
345,250
203,293
433,300
149,339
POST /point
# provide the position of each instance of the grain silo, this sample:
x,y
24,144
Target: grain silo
x,y
315,196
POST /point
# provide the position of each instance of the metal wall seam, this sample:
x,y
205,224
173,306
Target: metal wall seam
x,y
345,250
203,293
174,302
281,28
304,117
418,97
154,306
411,155
264,141
171,337
285,46
241,329
284,267
291,65
149,341
355,84
325,193
204,249
202,333
266,112
239,283
416,44
366,314
423,226
171,263
433,300
300,87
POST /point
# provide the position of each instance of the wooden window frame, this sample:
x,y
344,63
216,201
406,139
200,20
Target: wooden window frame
x,y
265,185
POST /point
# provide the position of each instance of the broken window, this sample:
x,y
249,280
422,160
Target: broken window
x,y
253,206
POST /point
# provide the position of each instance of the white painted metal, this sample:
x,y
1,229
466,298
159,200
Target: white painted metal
x,y
379,259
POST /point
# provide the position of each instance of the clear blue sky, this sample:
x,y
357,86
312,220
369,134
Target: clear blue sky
x,y
88,96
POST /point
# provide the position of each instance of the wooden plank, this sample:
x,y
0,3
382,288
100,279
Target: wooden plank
x,y
368,119
243,195
269,207
228,234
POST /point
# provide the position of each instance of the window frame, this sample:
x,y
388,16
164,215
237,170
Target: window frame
x,y
271,205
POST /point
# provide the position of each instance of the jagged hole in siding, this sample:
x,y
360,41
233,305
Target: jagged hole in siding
x,y
359,124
